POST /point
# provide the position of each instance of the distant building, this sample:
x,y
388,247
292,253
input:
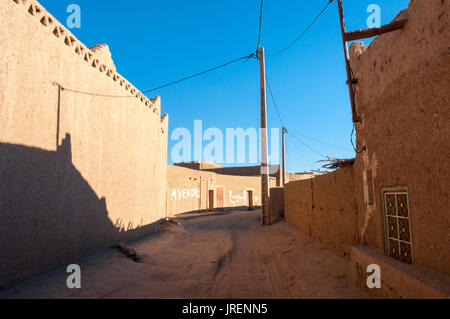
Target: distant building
x,y
234,171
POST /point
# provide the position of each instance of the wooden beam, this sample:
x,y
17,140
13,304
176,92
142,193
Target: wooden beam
x,y
368,33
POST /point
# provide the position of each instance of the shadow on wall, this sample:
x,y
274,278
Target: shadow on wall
x,y
49,215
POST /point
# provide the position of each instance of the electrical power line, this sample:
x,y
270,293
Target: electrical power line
x,y
94,94
298,148
273,101
201,73
294,132
304,32
306,145
301,153
252,55
317,140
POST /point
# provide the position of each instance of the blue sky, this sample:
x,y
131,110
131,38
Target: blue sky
x,y
155,42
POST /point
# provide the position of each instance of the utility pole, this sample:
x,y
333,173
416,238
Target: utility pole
x,y
264,144
284,132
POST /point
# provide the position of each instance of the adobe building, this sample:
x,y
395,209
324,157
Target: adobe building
x,y
274,170
83,153
199,165
390,207
198,190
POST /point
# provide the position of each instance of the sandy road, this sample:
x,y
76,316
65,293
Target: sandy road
x,y
221,256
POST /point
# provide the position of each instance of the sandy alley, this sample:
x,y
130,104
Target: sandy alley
x,y
221,256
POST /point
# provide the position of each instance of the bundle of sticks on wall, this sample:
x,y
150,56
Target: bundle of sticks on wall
x,y
337,163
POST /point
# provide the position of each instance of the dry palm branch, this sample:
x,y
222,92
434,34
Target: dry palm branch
x,y
337,163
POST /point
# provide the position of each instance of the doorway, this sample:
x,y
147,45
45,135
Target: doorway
x,y
250,200
220,199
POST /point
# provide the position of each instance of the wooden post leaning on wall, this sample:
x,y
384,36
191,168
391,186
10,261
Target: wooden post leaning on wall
x,y
358,35
350,81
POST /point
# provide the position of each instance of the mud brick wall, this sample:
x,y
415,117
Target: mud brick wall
x,y
403,99
81,168
325,208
